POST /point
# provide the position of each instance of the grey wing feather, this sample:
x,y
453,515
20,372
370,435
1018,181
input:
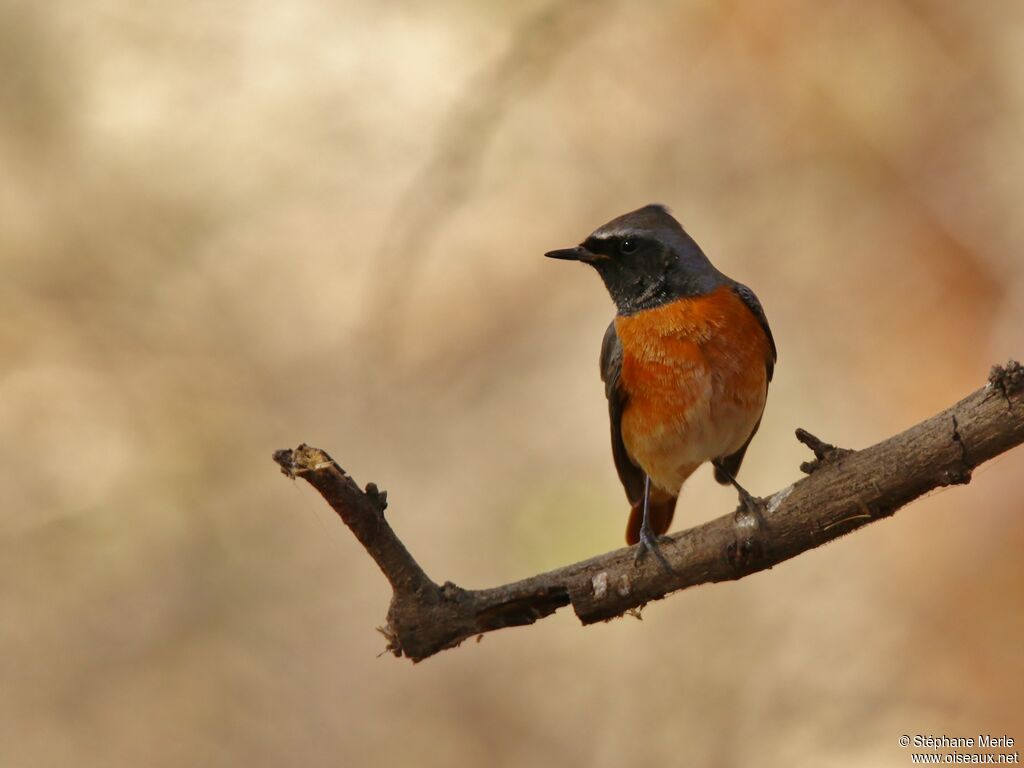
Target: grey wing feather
x,y
732,463
630,474
750,299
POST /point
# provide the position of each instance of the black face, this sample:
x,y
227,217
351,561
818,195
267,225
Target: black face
x,y
646,260
635,269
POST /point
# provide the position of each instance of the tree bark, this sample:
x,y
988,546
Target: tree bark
x,y
845,490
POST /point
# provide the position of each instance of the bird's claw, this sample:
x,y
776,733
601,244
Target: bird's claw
x,y
649,542
750,506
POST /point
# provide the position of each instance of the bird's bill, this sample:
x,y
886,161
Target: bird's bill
x,y
577,253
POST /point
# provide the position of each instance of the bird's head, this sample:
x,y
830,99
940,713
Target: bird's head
x,y
646,259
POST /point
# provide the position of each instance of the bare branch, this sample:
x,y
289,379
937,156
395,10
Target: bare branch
x,y
846,490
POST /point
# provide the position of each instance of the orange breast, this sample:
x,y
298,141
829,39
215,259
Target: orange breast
x,y
695,375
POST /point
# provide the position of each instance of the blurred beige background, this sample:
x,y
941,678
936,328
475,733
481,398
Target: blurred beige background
x,y
229,228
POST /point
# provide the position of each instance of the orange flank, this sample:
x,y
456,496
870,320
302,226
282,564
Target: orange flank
x,y
694,373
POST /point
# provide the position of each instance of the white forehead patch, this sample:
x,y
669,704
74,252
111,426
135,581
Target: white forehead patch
x,y
612,233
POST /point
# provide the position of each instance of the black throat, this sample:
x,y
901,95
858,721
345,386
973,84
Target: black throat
x,y
636,293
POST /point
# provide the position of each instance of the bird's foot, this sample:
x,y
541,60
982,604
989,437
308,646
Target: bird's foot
x,y
750,508
751,542
651,542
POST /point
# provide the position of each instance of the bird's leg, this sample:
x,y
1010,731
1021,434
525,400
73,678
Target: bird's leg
x,y
751,505
648,539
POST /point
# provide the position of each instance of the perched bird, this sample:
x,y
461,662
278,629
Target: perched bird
x,y
686,363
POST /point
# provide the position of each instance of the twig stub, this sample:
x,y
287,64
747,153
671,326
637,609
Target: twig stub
x,y
824,453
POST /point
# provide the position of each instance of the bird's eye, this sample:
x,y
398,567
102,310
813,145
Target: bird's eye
x,y
628,245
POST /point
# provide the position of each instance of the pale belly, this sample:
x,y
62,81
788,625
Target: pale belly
x,y
670,431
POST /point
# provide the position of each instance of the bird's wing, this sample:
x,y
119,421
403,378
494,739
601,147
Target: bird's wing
x,y
630,474
732,463
750,299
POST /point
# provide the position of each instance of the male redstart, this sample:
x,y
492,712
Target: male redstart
x,y
686,364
